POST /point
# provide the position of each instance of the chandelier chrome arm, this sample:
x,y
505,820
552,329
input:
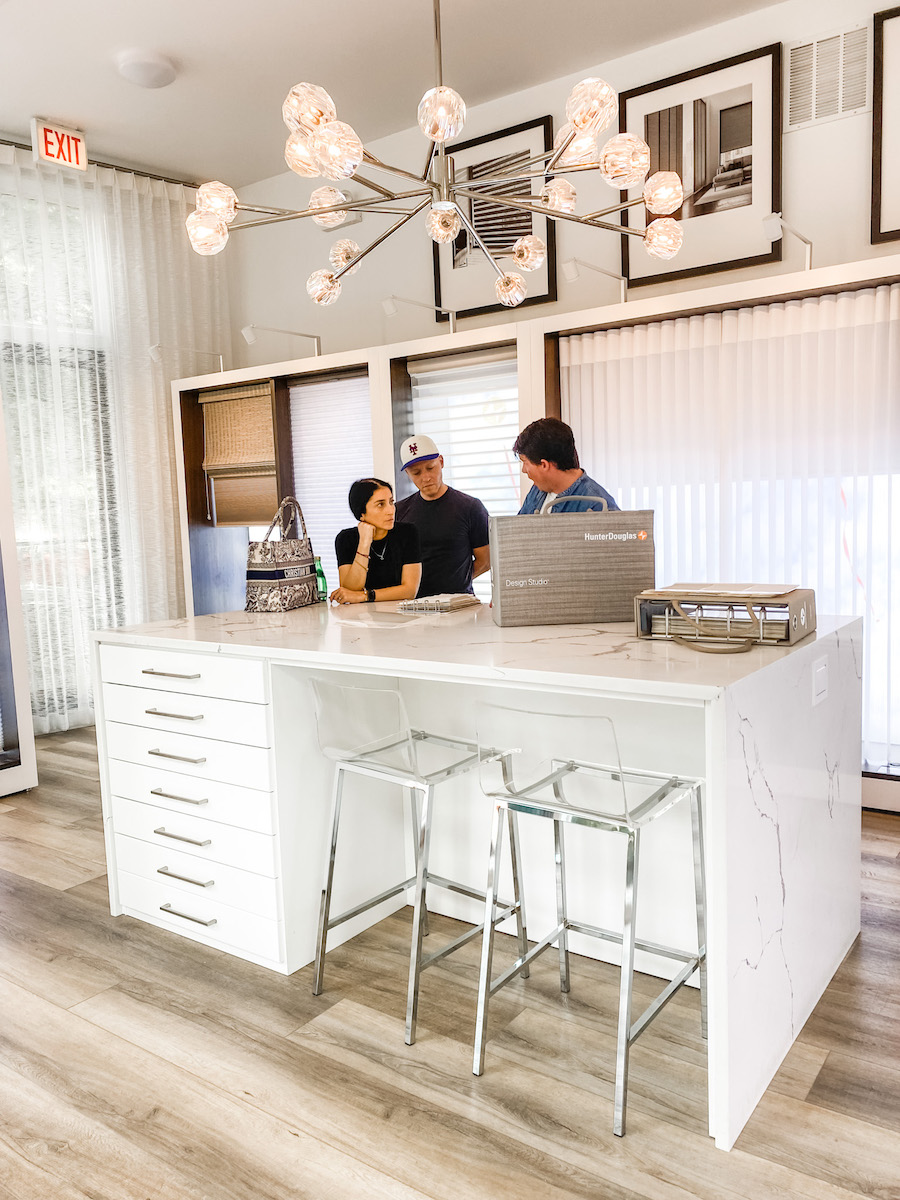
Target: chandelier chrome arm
x,y
429,161
554,214
376,162
370,205
560,151
376,187
381,238
484,250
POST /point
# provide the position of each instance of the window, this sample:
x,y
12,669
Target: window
x,y
470,408
331,430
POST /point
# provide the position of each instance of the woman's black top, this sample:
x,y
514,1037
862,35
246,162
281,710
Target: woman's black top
x,y
387,557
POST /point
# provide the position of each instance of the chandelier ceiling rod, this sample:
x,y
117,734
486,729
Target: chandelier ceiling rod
x,y
321,145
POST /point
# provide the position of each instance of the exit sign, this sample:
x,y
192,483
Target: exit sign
x,y
54,144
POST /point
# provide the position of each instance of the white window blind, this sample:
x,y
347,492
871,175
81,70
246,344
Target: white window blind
x,y
331,432
470,408
767,441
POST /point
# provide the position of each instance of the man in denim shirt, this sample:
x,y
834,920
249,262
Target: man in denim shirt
x,y
546,450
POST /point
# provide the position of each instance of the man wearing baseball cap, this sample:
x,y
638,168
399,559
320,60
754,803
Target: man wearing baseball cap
x,y
452,526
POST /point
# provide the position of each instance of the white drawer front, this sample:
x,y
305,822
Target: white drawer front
x,y
203,758
200,716
246,808
207,840
195,876
184,671
196,916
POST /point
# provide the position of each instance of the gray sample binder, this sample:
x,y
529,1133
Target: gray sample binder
x,y
570,568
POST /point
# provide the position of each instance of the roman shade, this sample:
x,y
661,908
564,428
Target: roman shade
x,y
239,453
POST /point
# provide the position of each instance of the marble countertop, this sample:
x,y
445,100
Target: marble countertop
x,y
467,645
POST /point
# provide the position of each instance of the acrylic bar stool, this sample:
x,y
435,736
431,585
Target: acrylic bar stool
x,y
366,732
546,778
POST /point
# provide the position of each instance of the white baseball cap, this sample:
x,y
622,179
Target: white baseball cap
x,y
418,448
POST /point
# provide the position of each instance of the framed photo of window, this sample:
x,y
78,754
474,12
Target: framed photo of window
x,y
886,127
719,127
463,277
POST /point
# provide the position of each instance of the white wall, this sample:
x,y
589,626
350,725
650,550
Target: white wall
x,y
826,194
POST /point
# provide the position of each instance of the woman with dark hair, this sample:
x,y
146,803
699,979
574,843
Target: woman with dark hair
x,y
378,559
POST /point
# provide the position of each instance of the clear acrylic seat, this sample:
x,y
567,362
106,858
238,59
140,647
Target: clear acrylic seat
x,y
366,732
544,774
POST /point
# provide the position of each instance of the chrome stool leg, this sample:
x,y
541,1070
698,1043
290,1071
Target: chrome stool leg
x,y
414,813
419,916
487,942
518,888
325,907
559,848
623,1043
700,900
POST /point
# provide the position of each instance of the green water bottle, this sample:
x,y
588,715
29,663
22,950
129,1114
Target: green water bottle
x,y
321,585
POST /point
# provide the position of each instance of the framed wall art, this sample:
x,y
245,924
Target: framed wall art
x,y
719,127
462,275
886,127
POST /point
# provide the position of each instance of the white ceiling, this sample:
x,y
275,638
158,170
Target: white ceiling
x,y
221,118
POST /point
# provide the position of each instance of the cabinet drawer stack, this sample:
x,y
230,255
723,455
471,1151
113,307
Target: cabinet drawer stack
x,y
191,802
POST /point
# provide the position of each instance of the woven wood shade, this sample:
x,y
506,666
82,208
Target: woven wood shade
x,y
245,499
239,437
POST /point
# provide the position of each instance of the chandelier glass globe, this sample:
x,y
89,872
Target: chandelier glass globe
x,y
207,231
443,224
559,196
343,251
337,150
529,252
582,148
510,290
323,288
624,160
306,107
663,238
326,197
663,193
218,198
442,114
592,106
299,156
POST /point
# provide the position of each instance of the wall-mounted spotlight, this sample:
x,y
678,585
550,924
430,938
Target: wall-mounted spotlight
x,y
389,304
248,333
155,352
570,270
774,224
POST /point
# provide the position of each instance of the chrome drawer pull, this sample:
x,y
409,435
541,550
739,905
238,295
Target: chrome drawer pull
x,y
178,837
177,757
184,878
168,674
156,712
167,908
172,796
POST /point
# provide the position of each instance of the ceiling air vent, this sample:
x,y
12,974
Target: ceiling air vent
x,y
827,77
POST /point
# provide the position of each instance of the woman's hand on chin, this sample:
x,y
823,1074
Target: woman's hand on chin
x,y
366,533
344,595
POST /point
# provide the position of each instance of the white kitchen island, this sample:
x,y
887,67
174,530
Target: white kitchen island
x,y
216,800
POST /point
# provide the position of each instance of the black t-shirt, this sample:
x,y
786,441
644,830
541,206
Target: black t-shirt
x,y
450,528
387,557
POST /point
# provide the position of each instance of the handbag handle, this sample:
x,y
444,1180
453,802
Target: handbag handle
x,y
548,504
294,512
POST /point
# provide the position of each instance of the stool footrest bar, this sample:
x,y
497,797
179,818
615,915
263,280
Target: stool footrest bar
x,y
525,960
366,905
656,1007
468,936
610,935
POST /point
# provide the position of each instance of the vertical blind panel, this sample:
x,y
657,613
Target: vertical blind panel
x,y
767,441
472,414
331,430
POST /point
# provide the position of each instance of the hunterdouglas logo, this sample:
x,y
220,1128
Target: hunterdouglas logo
x,y
520,583
616,537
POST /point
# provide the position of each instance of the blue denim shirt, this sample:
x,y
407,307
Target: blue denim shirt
x,y
583,486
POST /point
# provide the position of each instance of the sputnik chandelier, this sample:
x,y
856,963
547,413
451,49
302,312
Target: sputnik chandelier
x,y
321,145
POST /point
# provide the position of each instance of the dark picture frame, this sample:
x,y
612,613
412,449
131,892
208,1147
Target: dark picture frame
x,y
885,127
463,278
697,123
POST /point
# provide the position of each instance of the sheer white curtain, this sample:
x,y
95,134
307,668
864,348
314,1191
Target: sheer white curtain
x,y
94,270
767,440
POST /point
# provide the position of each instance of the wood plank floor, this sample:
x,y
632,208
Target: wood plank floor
x,y
136,1065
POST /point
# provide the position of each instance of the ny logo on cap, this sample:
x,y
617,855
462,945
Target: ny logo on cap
x,y
413,448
